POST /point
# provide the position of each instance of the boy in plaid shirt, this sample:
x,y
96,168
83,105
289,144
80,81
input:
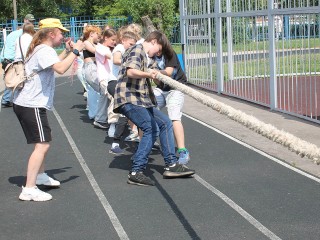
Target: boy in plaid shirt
x,y
135,99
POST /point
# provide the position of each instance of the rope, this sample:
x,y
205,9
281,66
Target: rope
x,y
293,143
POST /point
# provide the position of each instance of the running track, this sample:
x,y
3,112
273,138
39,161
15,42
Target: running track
x,y
238,192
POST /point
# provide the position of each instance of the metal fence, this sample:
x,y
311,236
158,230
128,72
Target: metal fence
x,y
74,24
263,51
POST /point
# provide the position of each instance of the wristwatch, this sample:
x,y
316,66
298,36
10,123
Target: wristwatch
x,y
76,52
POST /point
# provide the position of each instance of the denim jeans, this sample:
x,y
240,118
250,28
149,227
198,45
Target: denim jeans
x,y
153,123
7,95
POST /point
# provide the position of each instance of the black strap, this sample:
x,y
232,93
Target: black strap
x,y
21,49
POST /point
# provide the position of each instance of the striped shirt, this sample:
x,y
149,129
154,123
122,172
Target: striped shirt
x,y
137,91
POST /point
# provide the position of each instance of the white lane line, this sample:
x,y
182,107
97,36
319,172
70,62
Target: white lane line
x,y
256,150
238,209
106,205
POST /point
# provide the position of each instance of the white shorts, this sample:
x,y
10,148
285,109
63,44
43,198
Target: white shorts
x,y
173,100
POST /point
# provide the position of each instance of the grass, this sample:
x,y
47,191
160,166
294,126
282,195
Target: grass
x,y
305,64
255,46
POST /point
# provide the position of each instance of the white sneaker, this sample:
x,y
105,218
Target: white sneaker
x,y
111,130
44,179
133,137
34,194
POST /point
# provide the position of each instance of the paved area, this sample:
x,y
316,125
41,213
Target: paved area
x,y
239,192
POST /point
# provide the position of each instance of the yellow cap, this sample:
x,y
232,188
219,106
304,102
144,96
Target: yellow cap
x,y
52,23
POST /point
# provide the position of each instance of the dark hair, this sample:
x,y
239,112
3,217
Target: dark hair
x,y
161,38
28,28
167,49
156,35
108,33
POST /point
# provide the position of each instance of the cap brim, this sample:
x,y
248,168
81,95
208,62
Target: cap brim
x,y
64,29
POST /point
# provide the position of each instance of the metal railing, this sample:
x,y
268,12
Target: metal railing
x,y
74,24
260,51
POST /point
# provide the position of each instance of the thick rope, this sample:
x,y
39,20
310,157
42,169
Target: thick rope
x,y
293,143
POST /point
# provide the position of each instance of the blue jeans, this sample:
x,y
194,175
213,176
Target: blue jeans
x,y
7,95
153,123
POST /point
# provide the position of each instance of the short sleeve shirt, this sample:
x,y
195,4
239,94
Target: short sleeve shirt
x,y
38,92
116,68
178,73
133,90
103,64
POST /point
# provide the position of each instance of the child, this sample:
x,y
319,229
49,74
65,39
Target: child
x,y
104,74
91,37
23,42
173,99
36,97
135,99
128,39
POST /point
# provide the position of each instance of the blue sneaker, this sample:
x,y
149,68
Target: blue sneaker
x,y
184,156
116,150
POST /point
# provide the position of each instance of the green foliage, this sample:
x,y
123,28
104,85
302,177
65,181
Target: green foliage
x,y
162,13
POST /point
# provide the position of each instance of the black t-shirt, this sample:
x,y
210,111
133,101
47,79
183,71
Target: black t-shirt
x,y
178,75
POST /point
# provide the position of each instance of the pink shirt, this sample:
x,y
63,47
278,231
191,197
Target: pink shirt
x,y
104,71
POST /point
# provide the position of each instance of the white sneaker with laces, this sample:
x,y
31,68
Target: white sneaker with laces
x,y
34,194
44,179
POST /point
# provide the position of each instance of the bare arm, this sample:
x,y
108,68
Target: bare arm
x,y
89,46
167,71
117,58
62,66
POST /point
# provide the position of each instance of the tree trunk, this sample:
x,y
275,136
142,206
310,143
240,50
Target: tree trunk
x,y
159,15
148,24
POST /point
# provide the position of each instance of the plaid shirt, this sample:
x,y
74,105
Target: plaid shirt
x,y
133,90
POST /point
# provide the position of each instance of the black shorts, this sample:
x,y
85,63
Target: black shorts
x,y
34,123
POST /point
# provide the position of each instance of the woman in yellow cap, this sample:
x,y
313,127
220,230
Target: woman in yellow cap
x,y
36,97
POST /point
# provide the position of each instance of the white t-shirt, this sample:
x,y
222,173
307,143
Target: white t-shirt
x,y
103,64
26,39
38,92
116,68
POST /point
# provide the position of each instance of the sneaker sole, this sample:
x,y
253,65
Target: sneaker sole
x,y
132,140
51,186
139,184
99,126
26,198
115,153
168,174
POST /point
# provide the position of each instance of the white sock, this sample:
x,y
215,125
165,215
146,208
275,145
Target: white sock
x,y
114,145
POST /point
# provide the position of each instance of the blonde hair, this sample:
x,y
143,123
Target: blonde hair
x,y
120,32
136,28
89,29
129,35
38,38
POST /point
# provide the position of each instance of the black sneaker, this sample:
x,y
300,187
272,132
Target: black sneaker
x,y
177,170
139,179
6,104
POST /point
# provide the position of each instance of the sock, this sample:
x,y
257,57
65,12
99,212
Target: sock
x,y
182,149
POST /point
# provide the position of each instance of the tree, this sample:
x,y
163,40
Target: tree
x,y
162,13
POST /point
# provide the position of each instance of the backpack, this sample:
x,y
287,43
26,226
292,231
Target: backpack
x,y
15,73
